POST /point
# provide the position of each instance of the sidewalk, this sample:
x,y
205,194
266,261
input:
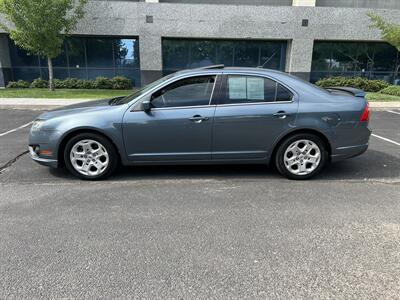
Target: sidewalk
x,y
45,103
37,103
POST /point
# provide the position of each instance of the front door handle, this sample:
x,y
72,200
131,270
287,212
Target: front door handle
x,y
281,114
198,119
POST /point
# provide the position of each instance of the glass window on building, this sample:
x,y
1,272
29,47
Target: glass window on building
x,y
181,54
81,57
374,60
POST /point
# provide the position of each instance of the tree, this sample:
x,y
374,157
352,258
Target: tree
x,y
390,33
40,26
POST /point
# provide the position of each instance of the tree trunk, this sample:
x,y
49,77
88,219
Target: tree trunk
x,y
51,76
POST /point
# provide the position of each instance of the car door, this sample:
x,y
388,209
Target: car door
x,y
178,125
253,111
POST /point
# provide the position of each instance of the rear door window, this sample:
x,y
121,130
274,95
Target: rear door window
x,y
253,89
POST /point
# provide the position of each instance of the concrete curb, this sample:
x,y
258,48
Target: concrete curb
x,y
383,105
45,103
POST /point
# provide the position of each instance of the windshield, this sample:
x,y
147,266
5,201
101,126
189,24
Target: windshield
x,y
142,91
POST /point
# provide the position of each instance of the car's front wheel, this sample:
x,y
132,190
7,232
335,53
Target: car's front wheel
x,y
90,156
301,156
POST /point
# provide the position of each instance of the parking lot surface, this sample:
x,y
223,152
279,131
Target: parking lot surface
x,y
201,231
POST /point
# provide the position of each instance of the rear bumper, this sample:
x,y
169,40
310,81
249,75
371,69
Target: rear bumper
x,y
348,152
53,163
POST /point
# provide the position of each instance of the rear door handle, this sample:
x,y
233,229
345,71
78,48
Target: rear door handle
x,y
198,119
281,114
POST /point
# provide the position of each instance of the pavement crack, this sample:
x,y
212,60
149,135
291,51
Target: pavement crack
x,y
11,162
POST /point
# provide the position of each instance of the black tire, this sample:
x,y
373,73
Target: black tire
x,y
112,155
279,157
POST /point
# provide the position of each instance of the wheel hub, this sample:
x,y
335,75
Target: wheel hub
x,y
89,157
302,157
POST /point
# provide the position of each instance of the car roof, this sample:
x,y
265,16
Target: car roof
x,y
223,69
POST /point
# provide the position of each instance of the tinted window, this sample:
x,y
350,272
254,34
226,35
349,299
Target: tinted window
x,y
249,89
283,94
21,58
76,52
193,91
373,60
192,53
81,57
126,53
99,53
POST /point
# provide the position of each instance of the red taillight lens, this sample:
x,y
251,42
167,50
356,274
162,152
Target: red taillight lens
x,y
365,114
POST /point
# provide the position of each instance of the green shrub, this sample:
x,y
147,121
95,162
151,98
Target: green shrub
x,y
20,84
393,90
358,82
121,83
71,83
39,83
103,83
85,84
58,83
118,82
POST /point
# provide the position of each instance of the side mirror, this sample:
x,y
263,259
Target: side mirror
x,y
146,105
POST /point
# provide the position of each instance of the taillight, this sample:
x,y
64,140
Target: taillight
x,y
365,114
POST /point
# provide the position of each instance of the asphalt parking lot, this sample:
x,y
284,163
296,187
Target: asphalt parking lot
x,y
201,232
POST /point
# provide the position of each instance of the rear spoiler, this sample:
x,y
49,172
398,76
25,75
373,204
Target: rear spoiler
x,y
346,90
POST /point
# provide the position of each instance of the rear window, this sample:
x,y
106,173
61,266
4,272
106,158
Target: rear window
x,y
283,94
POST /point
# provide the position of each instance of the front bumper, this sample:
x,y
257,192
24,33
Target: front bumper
x,y
53,163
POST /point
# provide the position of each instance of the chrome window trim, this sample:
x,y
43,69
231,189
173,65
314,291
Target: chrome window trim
x,y
182,107
255,103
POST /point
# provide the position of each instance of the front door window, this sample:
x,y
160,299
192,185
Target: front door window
x,y
195,91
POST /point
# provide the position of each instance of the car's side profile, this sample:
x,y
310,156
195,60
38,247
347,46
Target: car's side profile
x,y
212,115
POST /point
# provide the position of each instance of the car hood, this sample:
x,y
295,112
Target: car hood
x,y
88,106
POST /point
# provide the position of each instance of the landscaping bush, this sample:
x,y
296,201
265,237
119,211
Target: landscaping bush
x,y
58,83
39,83
116,83
103,83
85,84
70,83
20,84
393,90
121,83
358,82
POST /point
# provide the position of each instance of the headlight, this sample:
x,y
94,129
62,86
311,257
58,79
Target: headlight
x,y
37,125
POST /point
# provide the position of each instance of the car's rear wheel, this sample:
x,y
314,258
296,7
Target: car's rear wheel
x,y
90,156
301,156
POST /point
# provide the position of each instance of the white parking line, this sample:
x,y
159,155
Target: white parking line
x,y
386,139
15,129
394,112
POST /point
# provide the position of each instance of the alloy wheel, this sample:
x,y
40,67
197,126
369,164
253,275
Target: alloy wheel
x,y
302,157
89,157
